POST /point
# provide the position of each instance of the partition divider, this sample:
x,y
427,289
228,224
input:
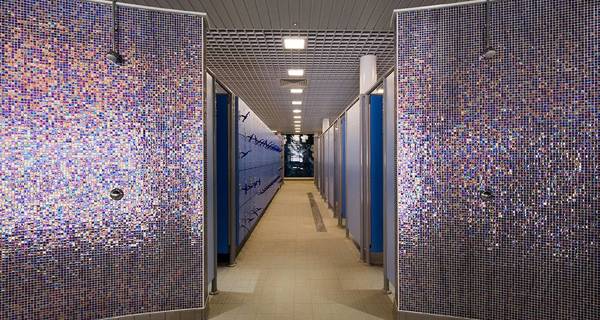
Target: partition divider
x,y
365,194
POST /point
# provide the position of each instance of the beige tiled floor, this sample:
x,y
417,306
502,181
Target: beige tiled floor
x,y
287,270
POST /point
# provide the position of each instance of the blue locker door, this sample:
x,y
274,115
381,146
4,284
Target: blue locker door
x,y
376,163
222,174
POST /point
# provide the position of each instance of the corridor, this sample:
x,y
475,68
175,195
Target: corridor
x,y
288,270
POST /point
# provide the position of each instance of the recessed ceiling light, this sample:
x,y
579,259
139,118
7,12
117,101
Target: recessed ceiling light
x,y
294,43
296,90
297,121
297,117
295,72
297,111
296,102
297,125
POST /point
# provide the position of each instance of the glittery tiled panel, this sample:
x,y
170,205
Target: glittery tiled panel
x,y
73,127
260,168
498,161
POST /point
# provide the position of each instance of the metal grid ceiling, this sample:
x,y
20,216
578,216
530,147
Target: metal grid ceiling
x,y
252,63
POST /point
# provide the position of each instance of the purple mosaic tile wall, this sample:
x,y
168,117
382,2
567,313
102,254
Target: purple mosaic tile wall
x,y
72,127
498,161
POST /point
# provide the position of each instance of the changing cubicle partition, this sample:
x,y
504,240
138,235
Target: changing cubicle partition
x,y
101,165
210,157
498,160
353,175
374,149
330,168
343,168
389,180
224,210
259,168
337,159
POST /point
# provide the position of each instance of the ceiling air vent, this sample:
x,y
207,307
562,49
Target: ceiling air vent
x,y
293,83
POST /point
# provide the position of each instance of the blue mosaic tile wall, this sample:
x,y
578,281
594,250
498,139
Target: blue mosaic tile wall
x,y
72,127
498,161
259,168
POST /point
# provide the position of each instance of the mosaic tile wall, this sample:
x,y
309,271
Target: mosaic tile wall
x,y
260,168
498,161
72,127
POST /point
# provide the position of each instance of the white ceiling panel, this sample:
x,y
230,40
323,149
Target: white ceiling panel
x,y
295,14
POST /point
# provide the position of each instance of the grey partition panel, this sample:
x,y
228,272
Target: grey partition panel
x,y
325,165
317,161
389,178
321,166
210,180
353,173
337,157
330,169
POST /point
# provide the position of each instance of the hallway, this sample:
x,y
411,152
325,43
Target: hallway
x,y
288,270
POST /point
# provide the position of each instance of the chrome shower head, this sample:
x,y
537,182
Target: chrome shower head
x,y
115,57
489,53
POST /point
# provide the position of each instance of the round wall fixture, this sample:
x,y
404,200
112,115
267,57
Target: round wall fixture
x,y
486,193
117,194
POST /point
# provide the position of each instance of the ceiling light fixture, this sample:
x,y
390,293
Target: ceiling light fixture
x,y
297,117
295,72
297,121
296,43
297,111
296,102
296,90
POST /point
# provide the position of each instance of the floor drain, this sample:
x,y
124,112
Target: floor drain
x,y
316,214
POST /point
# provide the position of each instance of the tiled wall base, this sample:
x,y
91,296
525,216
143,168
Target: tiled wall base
x,y
186,314
408,315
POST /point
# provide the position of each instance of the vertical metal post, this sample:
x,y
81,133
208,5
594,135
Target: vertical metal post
x,y
211,165
365,183
232,183
338,170
388,131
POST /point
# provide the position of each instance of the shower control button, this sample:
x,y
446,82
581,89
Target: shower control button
x,y
116,194
486,193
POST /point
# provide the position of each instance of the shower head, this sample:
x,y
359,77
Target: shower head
x,y
489,53
115,57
